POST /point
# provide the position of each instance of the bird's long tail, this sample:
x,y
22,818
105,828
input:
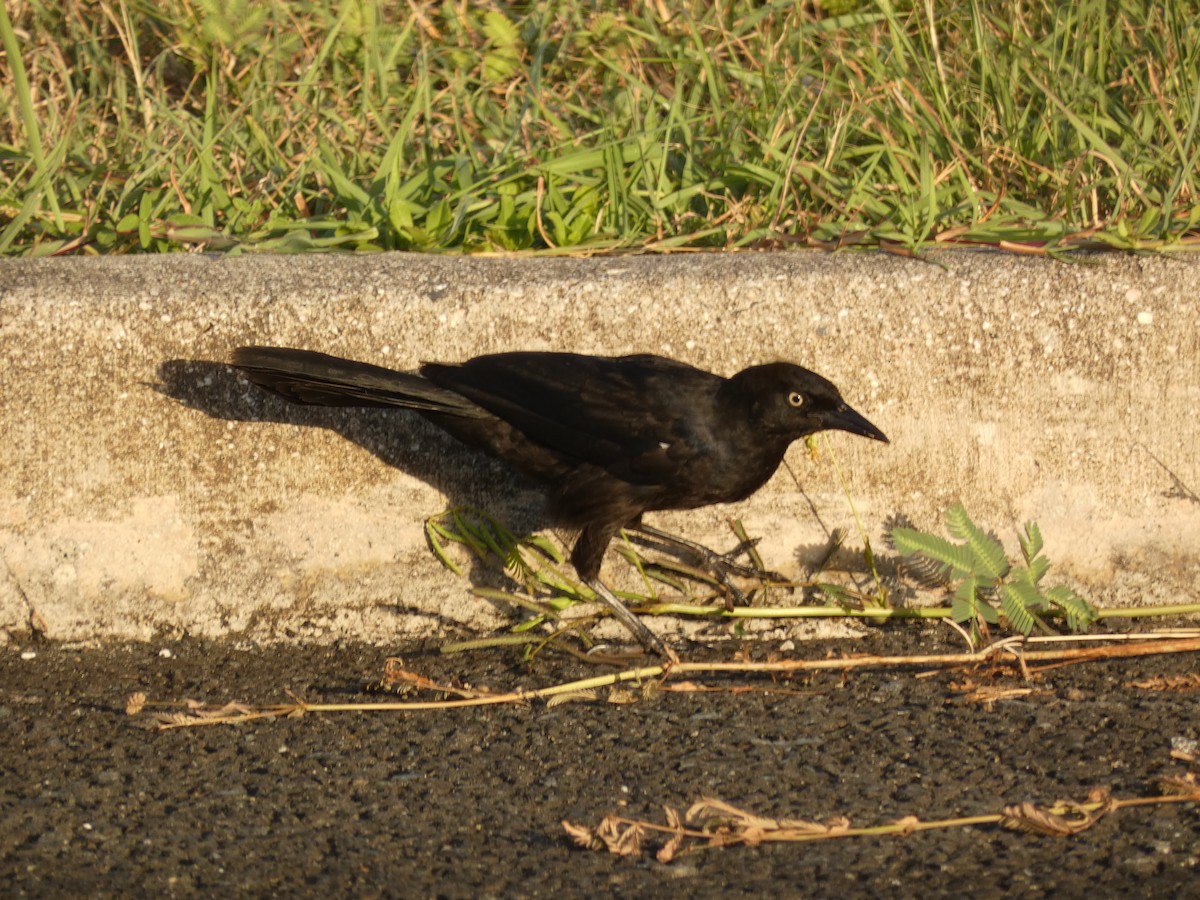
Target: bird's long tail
x,y
316,379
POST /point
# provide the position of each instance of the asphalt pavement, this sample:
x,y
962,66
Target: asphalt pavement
x,y
470,802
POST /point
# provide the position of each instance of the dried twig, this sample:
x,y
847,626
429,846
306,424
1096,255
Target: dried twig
x,y
714,823
1009,649
1180,683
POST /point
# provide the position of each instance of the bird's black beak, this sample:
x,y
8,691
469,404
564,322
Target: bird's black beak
x,y
846,419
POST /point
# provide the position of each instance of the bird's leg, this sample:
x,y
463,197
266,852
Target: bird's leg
x,y
647,638
721,565
586,556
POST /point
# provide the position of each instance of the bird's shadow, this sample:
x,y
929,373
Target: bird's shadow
x,y
399,438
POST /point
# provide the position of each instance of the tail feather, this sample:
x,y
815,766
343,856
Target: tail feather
x,y
317,379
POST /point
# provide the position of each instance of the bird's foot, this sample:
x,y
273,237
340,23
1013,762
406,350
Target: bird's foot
x,y
647,638
723,567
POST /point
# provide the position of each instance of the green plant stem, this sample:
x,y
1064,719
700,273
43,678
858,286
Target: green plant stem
x,y
847,612
1145,612
868,555
793,612
21,88
500,640
33,136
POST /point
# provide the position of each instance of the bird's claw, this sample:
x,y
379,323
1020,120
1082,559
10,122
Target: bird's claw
x,y
724,565
721,566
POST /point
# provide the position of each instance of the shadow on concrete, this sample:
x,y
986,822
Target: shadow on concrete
x,y
399,438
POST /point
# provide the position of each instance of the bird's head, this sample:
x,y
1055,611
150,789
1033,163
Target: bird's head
x,y
792,402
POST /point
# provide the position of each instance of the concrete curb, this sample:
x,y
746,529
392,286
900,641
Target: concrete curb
x,y
147,489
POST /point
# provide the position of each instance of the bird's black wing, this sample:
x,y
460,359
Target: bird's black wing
x,y
632,415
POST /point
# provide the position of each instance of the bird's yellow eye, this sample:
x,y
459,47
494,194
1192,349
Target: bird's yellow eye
x,y
796,399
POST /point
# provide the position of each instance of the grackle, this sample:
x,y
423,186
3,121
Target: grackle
x,y
610,437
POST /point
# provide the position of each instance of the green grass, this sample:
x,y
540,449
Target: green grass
x,y
131,125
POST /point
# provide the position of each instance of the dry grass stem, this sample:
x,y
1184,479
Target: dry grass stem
x,y
650,679
712,824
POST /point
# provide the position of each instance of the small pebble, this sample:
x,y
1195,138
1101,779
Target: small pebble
x,y
1188,745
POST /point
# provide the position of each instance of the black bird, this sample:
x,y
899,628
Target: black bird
x,y
610,437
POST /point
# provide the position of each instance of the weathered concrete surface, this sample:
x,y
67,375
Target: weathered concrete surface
x,y
140,492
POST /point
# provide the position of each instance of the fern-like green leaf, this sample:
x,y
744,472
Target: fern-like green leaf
x,y
546,546
466,534
556,581
957,557
1031,543
495,538
1015,602
991,560
528,624
967,605
962,610
1022,580
1080,614
1038,567
432,533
